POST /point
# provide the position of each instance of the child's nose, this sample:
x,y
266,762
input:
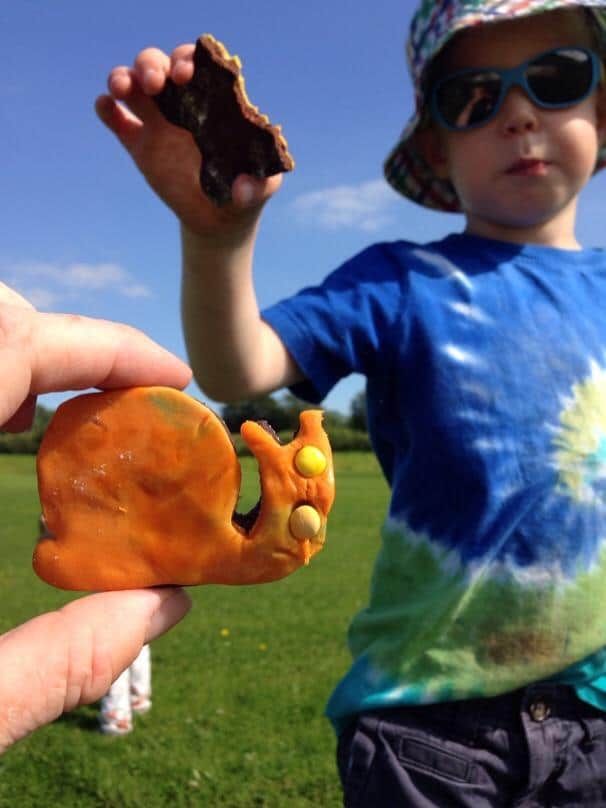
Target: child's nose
x,y
518,114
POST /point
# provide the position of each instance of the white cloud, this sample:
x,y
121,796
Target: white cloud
x,y
45,284
365,206
136,290
94,276
42,298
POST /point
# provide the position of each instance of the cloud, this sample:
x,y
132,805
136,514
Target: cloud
x,y
94,276
46,284
41,298
136,290
365,206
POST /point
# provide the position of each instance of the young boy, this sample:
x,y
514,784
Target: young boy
x,y
479,673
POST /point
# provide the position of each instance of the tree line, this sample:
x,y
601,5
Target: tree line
x,y
346,431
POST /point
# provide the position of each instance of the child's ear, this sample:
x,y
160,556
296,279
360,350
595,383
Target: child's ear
x,y
430,143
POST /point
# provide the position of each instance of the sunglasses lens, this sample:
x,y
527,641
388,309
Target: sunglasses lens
x,y
555,79
560,77
468,99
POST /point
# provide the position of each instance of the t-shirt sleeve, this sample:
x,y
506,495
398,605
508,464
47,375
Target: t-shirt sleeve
x,y
341,326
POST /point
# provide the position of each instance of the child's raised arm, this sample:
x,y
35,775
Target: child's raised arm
x,y
234,354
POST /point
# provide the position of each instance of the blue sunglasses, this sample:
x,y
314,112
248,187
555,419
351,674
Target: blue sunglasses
x,y
554,79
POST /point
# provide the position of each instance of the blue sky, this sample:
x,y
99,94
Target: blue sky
x,y
81,231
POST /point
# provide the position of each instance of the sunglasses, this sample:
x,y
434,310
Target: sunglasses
x,y
555,79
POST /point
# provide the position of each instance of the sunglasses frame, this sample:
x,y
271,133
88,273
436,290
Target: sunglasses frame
x,y
514,77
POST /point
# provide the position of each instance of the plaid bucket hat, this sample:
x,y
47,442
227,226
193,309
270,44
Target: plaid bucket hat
x,y
433,25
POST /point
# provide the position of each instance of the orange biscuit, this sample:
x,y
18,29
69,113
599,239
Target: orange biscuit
x,y
139,488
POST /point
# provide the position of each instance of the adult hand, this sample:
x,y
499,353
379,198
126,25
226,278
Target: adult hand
x,y
43,353
60,660
69,657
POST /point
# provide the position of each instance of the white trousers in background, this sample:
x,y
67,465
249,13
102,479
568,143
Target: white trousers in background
x,y
132,686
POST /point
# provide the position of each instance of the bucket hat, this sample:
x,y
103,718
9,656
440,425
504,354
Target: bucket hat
x,y
433,25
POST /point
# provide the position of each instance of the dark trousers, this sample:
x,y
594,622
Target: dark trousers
x,y
540,746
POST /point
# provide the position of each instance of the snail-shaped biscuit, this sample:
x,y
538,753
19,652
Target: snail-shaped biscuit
x,y
139,488
231,134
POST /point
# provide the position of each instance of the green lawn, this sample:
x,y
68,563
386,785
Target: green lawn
x,y
239,686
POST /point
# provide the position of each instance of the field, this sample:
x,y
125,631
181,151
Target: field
x,y
239,686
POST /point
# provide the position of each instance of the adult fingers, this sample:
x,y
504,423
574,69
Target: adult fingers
x,y
23,418
69,352
43,353
62,659
13,298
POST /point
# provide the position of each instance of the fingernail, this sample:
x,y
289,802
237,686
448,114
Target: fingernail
x,y
172,609
151,78
115,84
182,69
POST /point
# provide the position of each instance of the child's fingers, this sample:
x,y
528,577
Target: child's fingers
x,y
125,85
151,68
120,82
120,120
135,87
250,192
182,63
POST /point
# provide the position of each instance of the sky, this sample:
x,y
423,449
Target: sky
x,y
82,232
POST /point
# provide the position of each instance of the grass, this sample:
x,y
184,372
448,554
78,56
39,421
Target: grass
x,y
239,686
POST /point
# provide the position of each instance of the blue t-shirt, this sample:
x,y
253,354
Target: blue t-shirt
x,y
486,396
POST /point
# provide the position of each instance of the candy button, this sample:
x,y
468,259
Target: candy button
x,y
305,522
310,461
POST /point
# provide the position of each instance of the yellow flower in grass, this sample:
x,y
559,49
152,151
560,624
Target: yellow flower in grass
x,y
224,632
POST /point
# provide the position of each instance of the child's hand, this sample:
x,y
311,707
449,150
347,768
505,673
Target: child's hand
x,y
168,156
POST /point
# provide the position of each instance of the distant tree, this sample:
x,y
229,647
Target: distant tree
x,y
281,412
41,419
358,418
292,406
264,408
334,419
26,442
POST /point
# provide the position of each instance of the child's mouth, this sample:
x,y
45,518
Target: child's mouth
x,y
528,168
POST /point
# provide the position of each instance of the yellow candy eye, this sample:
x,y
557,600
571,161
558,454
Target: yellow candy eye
x,y
305,522
310,461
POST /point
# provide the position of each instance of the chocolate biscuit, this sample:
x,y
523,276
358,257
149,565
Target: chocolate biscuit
x,y
232,135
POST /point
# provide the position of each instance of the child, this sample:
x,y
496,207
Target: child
x,y
479,673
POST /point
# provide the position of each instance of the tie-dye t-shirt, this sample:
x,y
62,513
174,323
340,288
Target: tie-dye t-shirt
x,y
486,396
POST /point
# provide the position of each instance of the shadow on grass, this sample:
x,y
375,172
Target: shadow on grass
x,y
86,718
